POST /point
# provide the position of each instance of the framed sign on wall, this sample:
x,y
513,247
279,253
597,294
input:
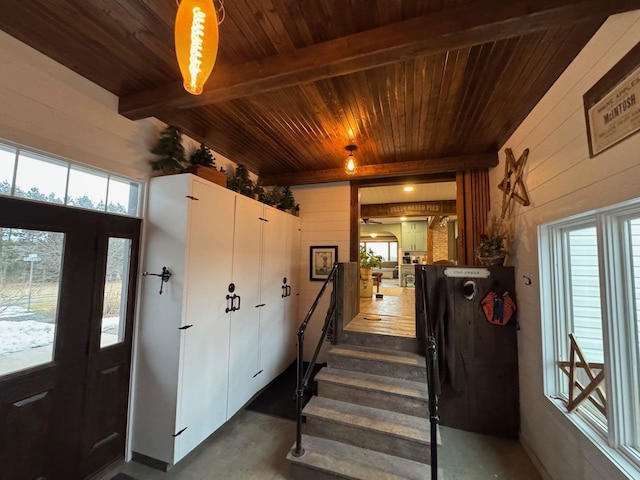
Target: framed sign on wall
x,y
612,105
321,260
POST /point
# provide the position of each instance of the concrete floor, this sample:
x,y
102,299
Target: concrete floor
x,y
253,446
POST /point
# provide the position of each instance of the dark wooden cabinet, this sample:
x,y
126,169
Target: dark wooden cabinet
x,y
486,399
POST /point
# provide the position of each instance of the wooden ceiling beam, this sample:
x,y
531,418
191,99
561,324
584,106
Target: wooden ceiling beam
x,y
430,166
462,26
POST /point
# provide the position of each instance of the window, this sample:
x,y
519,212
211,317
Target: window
x,y
38,177
387,250
114,304
30,275
590,287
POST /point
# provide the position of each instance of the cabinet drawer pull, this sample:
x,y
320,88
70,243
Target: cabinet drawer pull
x,y
191,197
174,435
258,373
185,327
261,305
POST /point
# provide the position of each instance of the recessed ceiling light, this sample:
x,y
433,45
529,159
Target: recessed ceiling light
x,y
408,189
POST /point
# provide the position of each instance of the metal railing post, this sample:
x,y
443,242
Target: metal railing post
x,y
432,351
298,451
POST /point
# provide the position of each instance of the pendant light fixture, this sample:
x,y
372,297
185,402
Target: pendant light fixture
x,y
196,41
350,165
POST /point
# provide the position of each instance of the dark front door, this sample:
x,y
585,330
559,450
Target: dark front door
x,y
67,288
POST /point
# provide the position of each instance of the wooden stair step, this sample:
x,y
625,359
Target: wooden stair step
x,y
391,363
379,391
368,381
373,419
327,459
367,427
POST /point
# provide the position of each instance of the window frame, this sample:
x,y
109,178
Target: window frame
x,y
71,165
620,342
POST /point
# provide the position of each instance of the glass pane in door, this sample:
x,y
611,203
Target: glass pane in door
x,y
114,307
30,271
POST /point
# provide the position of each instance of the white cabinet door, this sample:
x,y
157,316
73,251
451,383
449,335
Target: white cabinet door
x,y
244,338
292,319
421,236
202,388
272,327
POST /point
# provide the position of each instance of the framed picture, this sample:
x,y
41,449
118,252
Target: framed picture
x,y
321,260
612,105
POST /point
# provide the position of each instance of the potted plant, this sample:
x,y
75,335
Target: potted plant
x,y
202,164
170,151
368,261
493,245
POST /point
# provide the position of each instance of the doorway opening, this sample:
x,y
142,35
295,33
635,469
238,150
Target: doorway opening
x,y
404,224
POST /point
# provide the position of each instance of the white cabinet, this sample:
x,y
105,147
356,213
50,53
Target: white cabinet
x,y
182,352
414,236
261,339
221,329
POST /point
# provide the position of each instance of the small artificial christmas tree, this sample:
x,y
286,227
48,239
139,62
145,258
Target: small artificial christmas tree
x,y
287,202
202,156
170,150
240,182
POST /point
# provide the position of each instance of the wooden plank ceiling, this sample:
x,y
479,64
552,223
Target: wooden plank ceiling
x,y
419,86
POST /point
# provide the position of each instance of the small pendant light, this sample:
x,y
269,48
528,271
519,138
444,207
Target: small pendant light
x,y
350,165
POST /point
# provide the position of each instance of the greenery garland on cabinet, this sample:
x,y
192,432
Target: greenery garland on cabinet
x,y
172,159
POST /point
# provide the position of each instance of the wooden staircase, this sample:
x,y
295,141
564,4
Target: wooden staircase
x,y
369,420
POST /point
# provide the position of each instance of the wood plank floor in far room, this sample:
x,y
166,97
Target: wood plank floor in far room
x,y
393,314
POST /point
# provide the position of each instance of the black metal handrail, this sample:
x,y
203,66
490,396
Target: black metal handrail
x,y
302,379
432,365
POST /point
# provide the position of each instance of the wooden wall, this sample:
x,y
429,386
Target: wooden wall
x,y
562,181
472,204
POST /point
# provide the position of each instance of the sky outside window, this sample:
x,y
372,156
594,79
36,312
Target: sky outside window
x,y
120,191
7,163
87,190
39,177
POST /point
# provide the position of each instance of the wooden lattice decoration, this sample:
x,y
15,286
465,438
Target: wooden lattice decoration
x,y
586,391
513,188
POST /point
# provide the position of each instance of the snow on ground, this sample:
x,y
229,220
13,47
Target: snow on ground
x,y
23,335
14,311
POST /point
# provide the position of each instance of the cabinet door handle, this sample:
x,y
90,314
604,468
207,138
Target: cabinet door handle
x,y
179,433
229,308
284,291
288,290
185,327
234,297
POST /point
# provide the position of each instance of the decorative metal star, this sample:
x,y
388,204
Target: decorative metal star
x,y
514,189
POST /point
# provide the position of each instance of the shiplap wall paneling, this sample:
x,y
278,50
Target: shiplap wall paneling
x,y
562,181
